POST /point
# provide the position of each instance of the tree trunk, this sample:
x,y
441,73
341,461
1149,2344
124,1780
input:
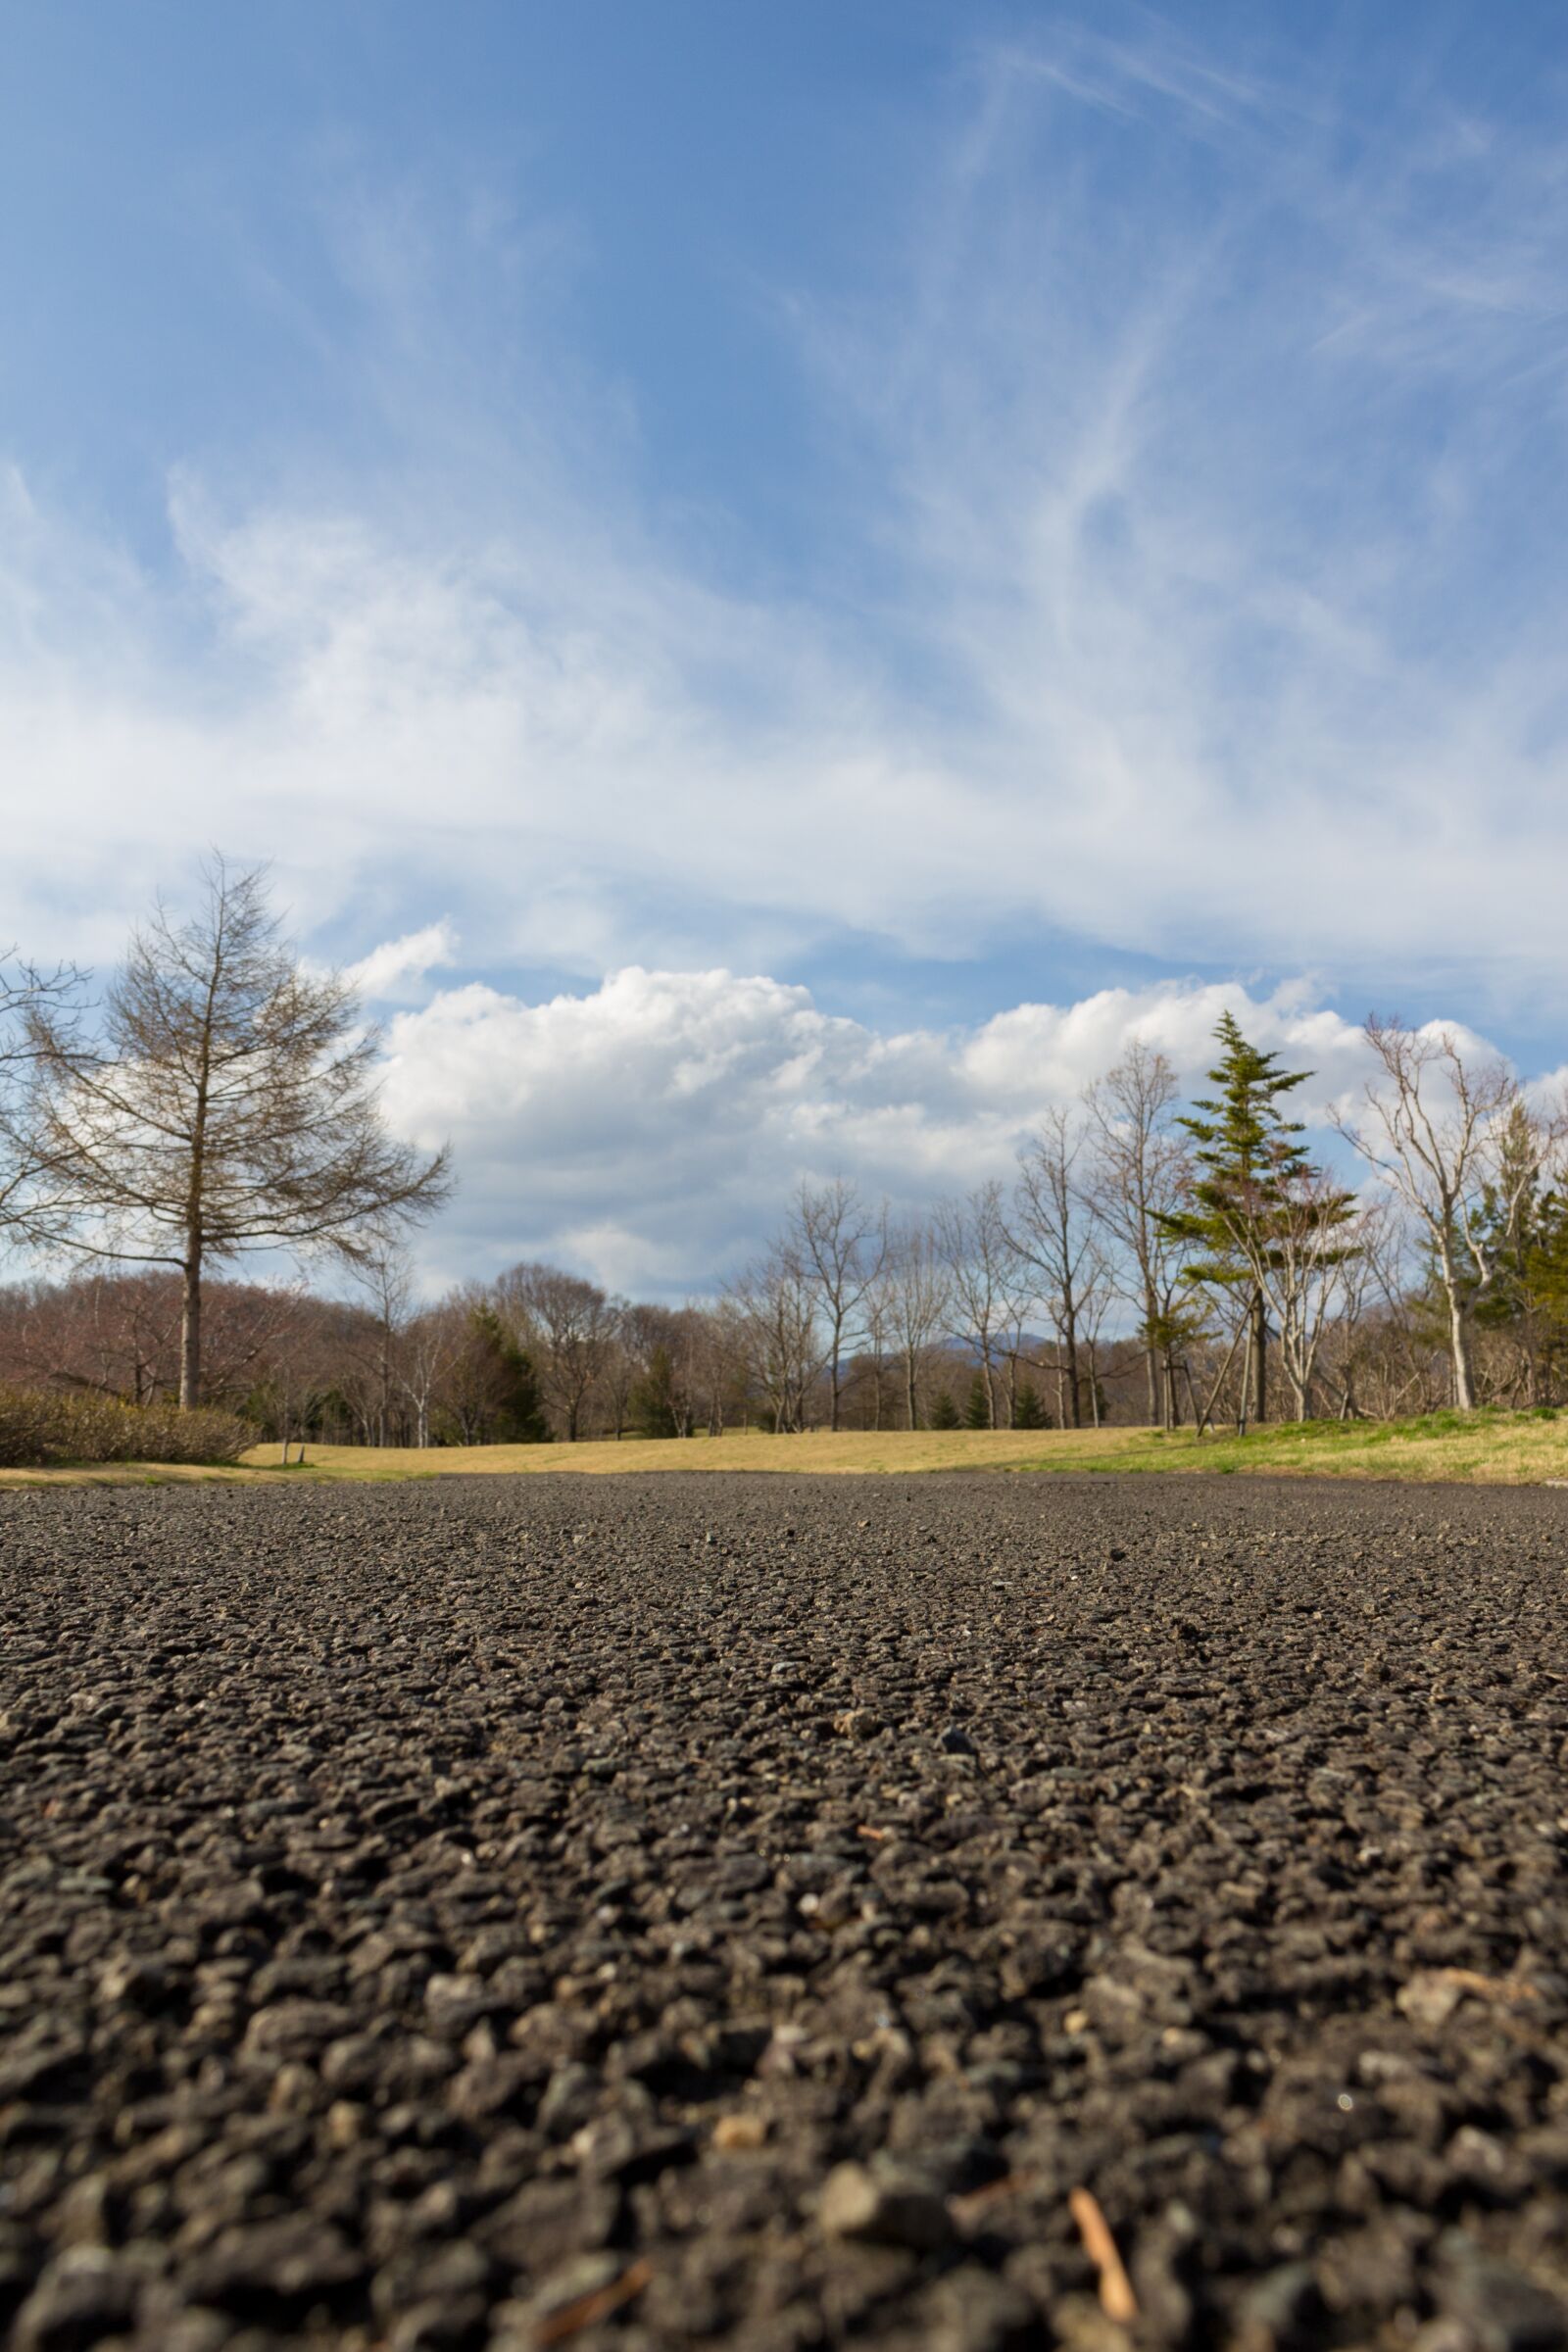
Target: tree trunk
x,y
1259,1360
1152,1367
191,1332
909,1388
1076,1403
1464,1387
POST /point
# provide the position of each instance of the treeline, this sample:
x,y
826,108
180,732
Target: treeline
x,y
1150,1261
536,1355
1163,1262
540,1354
1147,1259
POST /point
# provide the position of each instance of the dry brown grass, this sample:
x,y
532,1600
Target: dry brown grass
x,y
1494,1449
819,1450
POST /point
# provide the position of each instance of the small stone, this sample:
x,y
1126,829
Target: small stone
x,y
1502,2308
84,2294
570,2098
856,1723
888,2209
441,2325
83,2216
290,2259
345,2124
456,2003
972,2310
735,2133
135,1982
954,1740
1430,1999
294,2029
294,2090
1280,2309
583,2275
422,2274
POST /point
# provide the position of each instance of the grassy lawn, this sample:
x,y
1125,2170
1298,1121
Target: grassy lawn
x,y
1497,1448
1507,1449
857,1451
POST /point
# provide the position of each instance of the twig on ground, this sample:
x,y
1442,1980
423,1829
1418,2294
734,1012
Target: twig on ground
x,y
1116,2298
573,2318
1488,1988
974,2202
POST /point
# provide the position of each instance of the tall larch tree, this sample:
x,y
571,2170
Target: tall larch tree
x,y
224,1099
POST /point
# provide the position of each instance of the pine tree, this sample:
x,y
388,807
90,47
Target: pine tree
x,y
652,1399
1518,1276
1255,1177
519,1417
1547,1290
944,1414
1028,1412
977,1412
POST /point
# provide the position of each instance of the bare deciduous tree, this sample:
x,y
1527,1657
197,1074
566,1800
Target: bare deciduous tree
x,y
226,1101
772,1311
570,1325
1052,1229
983,1301
1436,1127
30,1170
840,1246
915,1288
385,1280
1144,1172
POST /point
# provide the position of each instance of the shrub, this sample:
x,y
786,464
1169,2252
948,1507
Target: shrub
x,y
37,1428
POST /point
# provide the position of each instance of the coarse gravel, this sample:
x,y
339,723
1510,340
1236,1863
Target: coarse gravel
x,y
966,1913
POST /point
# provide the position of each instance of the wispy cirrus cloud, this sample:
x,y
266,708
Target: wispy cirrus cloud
x,y
1194,594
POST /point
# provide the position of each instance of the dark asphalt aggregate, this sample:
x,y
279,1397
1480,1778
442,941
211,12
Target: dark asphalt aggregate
x,y
966,1913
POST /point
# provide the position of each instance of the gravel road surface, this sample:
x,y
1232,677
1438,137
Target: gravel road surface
x,y
962,1913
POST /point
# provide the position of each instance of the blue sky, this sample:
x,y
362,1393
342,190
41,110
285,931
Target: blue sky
x,y
943,506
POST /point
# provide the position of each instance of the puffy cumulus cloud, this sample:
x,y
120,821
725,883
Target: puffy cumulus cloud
x,y
650,1131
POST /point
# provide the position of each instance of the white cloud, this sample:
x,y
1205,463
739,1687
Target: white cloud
x,y
649,1131
394,970
1152,610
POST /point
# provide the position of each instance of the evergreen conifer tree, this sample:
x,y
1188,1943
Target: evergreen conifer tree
x,y
977,1412
519,1409
652,1399
1028,1411
1255,1174
944,1414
